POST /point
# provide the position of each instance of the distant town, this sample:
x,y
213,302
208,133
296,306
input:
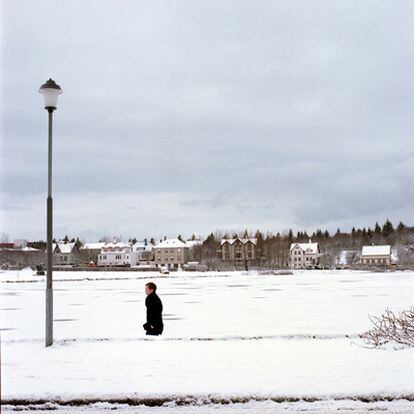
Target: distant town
x,y
383,246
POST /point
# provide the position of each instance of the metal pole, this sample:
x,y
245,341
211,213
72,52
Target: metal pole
x,y
49,288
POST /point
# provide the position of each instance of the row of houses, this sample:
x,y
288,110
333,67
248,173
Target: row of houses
x,y
301,255
175,253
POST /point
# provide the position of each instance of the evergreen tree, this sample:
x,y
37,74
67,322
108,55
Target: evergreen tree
x,y
326,234
246,234
193,237
259,243
401,226
377,229
387,229
210,238
290,236
66,239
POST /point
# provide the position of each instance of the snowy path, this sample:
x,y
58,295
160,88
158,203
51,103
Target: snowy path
x,y
240,336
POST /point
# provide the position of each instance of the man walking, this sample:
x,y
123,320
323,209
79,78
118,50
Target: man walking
x,y
154,324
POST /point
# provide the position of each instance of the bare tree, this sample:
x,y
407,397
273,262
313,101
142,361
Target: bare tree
x,y
390,327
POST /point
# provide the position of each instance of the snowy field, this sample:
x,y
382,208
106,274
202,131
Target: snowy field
x,y
233,342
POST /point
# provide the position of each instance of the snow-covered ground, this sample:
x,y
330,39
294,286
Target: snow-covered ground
x,y
228,337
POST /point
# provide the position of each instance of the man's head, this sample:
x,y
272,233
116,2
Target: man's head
x,y
150,287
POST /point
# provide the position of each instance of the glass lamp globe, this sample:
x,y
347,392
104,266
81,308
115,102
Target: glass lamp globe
x,y
50,91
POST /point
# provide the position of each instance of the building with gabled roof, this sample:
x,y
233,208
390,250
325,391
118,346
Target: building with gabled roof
x,y
239,250
171,253
115,254
90,251
66,253
376,255
304,255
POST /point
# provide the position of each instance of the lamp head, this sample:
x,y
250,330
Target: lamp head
x,y
50,91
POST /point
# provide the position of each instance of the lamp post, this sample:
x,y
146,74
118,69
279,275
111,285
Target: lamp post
x,y
50,91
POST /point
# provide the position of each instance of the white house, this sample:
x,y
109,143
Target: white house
x,y
141,253
115,254
303,255
172,253
376,255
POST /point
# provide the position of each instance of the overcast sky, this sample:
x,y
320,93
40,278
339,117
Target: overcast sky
x,y
193,116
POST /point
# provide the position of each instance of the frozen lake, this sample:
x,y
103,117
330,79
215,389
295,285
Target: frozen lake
x,y
228,334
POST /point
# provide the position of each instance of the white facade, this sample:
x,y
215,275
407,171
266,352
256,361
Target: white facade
x,y
115,254
304,255
139,250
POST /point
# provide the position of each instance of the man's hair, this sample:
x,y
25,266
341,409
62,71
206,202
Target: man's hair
x,y
152,286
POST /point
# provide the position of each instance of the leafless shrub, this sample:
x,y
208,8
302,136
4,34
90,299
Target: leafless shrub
x,y
391,327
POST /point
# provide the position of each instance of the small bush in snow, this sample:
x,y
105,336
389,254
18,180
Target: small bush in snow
x,y
391,327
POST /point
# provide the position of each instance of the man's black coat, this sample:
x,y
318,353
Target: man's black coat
x,y
154,325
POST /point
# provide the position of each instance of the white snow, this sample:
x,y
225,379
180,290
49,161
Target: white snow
x,y
242,240
193,243
29,249
306,247
226,335
171,243
376,250
93,246
63,247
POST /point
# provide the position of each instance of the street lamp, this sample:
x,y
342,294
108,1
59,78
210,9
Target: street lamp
x,y
50,91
